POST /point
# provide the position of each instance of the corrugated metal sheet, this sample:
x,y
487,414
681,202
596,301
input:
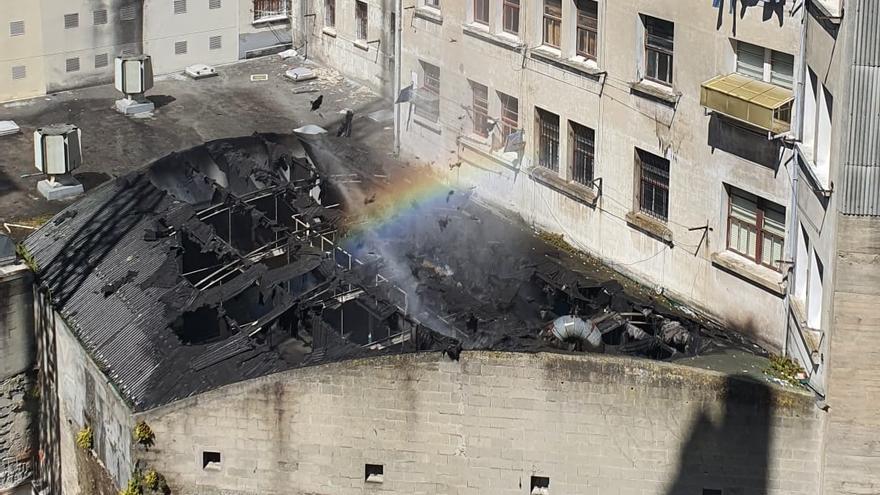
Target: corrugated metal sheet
x,y
860,186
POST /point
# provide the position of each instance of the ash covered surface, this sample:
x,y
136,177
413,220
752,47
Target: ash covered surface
x,y
212,266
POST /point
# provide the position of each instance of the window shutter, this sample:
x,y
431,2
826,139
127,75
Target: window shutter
x,y
16,28
72,64
180,47
180,6
101,60
19,72
100,16
71,21
215,42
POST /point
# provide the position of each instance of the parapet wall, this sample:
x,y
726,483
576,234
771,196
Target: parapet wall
x,y
487,424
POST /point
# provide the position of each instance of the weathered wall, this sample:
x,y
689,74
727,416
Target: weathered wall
x,y
163,29
705,155
18,397
85,397
593,424
21,50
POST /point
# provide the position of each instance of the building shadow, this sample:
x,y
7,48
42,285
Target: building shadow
x,y
729,454
726,135
161,100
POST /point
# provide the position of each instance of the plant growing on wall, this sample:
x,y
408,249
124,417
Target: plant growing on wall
x,y
143,434
85,438
133,487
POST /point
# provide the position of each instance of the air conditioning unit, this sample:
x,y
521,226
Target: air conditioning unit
x,y
57,149
134,74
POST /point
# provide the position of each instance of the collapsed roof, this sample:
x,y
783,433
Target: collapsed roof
x,y
212,266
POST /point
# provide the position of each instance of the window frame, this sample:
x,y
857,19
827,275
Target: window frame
x,y
659,50
510,12
548,19
509,115
330,14
588,29
548,139
434,4
758,228
480,105
431,86
270,14
643,165
480,8
583,149
771,60
361,20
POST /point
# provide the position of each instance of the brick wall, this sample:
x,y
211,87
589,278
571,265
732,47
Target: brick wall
x,y
592,424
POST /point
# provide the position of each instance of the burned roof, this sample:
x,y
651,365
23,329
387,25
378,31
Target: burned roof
x,y
211,266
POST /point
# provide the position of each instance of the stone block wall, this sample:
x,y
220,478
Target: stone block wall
x,y
488,424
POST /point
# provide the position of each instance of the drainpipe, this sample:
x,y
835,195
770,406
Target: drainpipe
x,y
398,41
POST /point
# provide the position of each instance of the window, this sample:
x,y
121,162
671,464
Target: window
x,y
71,21
330,13
801,264
653,180
179,47
548,139
764,64
756,228
510,17
481,11
215,42
180,6
552,22
101,60
509,115
433,3
99,17
481,108
428,97
814,292
214,4
72,64
658,50
210,460
587,28
128,13
583,145
16,28
360,14
19,72
270,9
539,485
374,473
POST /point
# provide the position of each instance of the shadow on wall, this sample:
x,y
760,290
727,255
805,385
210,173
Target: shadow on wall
x,y
729,454
727,135
48,460
770,9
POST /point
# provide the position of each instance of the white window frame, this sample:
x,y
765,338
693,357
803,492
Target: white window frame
x,y
767,74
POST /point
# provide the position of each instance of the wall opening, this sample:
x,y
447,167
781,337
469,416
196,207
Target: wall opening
x,y
211,460
374,473
540,485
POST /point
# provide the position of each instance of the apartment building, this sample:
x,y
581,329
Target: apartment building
x,y
651,134
835,287
354,36
53,45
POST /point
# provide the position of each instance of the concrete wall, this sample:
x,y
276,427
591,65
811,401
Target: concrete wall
x,y
706,155
592,424
84,396
163,29
21,50
337,46
17,345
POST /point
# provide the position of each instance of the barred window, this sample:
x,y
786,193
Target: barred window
x,y
271,9
99,17
360,14
71,21
583,152
481,108
653,173
548,139
552,22
755,228
587,28
509,115
481,11
659,36
510,17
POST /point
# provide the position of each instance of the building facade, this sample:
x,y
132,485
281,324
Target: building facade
x,y
618,153
54,45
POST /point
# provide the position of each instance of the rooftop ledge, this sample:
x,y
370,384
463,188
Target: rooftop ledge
x,y
761,276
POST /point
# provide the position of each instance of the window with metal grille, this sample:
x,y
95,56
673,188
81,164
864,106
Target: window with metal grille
x,y
583,141
481,11
16,28
509,115
72,64
128,13
19,72
179,47
99,17
552,22
360,16
510,16
71,21
653,173
658,49
587,28
428,95
215,42
433,3
180,6
755,228
548,139
101,60
214,4
330,13
481,108
270,9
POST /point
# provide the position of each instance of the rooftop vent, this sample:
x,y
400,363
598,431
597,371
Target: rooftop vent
x,y
134,76
57,149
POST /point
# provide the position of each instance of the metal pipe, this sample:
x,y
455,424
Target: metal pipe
x,y
398,41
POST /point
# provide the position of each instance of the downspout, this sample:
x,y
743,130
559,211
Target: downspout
x,y
398,41
301,25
